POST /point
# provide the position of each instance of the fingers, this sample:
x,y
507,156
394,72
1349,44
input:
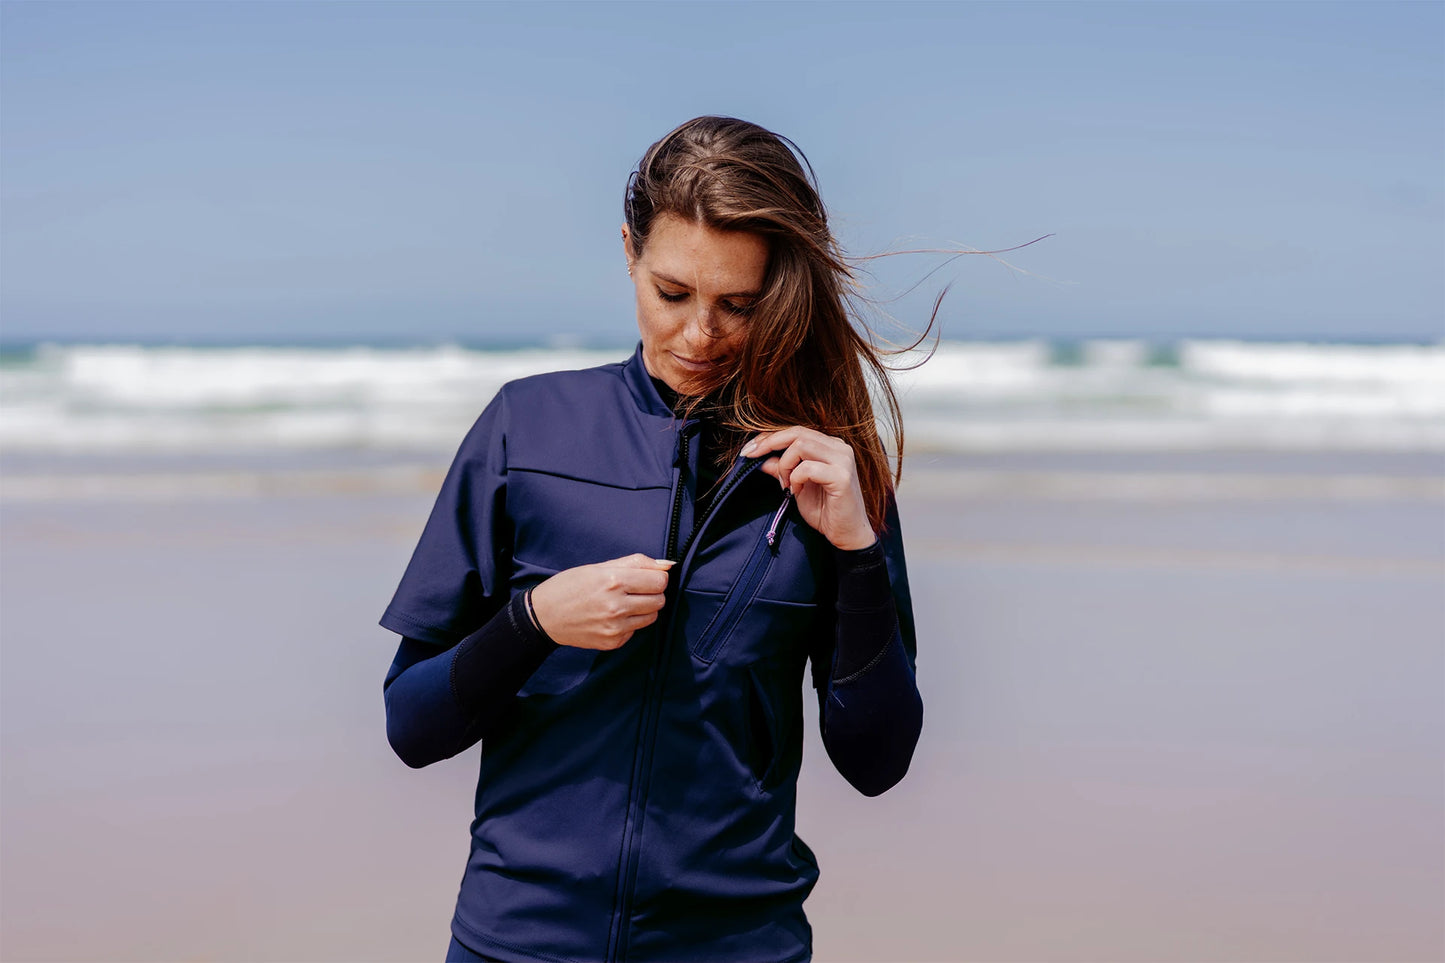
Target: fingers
x,y
626,606
642,621
638,560
599,606
805,472
803,439
635,575
633,581
822,474
831,458
770,441
620,630
776,440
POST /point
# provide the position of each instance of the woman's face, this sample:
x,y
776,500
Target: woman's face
x,y
696,286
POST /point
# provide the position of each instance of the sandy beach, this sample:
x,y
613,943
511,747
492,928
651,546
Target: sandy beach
x,y
1178,708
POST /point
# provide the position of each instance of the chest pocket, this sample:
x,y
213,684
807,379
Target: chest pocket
x,y
738,600
748,624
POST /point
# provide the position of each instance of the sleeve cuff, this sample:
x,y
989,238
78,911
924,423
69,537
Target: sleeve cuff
x,y
495,660
863,584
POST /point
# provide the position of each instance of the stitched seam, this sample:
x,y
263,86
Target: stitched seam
x,y
467,724
760,597
452,677
429,634
876,659
586,481
410,621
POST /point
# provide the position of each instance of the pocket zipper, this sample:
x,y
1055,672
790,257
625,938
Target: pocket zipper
x,y
751,577
778,519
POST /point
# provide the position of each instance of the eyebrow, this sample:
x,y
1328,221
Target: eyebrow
x,y
681,284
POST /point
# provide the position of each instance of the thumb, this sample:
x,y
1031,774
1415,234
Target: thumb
x,y
638,560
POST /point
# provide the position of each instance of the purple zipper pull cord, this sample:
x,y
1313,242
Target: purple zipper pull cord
x,y
778,518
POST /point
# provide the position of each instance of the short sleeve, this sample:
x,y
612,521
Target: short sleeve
x,y
456,579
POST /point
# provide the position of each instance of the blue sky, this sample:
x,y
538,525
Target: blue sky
x,y
415,171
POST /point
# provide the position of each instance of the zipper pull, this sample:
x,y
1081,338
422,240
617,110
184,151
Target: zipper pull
x,y
778,518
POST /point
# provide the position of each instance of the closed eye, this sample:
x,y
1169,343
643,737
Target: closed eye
x,y
738,310
671,297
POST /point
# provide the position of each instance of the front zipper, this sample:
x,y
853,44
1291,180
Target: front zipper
x,y
647,737
740,470
642,758
671,545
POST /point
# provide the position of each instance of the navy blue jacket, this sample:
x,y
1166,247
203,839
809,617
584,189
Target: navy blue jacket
x,y
636,804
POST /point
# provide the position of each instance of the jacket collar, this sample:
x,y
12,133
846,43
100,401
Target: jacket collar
x,y
639,382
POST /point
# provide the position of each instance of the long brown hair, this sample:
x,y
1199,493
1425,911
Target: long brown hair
x,y
806,356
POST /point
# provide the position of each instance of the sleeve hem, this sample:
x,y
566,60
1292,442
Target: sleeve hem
x,y
408,627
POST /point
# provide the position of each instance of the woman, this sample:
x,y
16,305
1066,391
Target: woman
x,y
627,568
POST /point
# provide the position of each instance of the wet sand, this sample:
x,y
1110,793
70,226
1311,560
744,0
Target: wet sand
x,y
1177,708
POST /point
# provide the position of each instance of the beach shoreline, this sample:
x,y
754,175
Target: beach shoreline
x,y
1199,718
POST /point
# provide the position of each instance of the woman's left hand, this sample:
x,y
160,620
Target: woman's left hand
x,y
823,476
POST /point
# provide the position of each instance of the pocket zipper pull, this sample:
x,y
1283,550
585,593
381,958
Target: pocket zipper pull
x,y
778,518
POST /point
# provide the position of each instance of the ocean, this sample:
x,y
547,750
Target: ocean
x,y
382,402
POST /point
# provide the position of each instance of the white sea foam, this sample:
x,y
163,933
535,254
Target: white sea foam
x,y
1111,394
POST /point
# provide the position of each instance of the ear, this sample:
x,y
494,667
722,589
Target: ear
x,y
627,247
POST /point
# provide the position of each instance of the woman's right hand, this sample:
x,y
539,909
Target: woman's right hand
x,y
599,606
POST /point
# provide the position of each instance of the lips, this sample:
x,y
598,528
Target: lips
x,y
692,364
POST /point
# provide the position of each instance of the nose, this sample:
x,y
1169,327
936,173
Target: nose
x,y
702,329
